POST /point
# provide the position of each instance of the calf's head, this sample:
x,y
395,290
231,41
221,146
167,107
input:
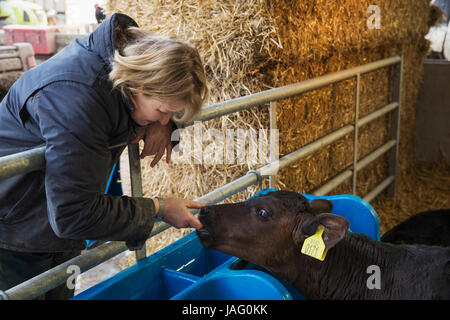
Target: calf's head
x,y
267,230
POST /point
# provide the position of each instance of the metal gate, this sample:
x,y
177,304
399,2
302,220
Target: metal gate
x,y
31,160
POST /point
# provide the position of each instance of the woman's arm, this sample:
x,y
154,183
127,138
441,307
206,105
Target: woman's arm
x,y
75,125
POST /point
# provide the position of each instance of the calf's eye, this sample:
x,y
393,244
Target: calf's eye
x,y
263,214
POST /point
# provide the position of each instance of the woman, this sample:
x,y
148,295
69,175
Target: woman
x,y
119,84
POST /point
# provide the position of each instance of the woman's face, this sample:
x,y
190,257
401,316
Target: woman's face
x,y
149,109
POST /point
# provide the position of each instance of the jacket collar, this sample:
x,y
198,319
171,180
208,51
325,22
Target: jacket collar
x,y
101,40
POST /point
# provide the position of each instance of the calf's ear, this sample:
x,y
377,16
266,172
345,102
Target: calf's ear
x,y
320,205
335,228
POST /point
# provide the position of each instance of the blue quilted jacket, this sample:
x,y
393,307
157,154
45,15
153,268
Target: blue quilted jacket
x,y
67,104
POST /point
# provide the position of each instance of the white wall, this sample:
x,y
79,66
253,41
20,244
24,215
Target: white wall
x,y
81,11
72,12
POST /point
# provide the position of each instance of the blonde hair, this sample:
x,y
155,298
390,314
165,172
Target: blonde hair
x,y
159,67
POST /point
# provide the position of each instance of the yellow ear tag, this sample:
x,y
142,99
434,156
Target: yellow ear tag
x,y
314,246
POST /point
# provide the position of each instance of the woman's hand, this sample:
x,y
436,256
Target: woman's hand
x,y
157,139
176,213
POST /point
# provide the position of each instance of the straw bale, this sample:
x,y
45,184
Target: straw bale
x,y
249,46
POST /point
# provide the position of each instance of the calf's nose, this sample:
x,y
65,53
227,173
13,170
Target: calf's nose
x,y
204,215
205,211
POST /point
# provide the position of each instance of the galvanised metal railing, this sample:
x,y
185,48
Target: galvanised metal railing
x,y
31,160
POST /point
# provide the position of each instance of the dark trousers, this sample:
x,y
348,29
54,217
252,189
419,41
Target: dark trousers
x,y
17,267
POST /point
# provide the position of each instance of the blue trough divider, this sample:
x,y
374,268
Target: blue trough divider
x,y
187,270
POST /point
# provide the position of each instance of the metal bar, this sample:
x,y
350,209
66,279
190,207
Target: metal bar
x,y
376,114
272,168
56,276
273,135
395,126
333,183
135,170
22,162
341,177
28,161
262,98
378,152
355,141
136,185
378,189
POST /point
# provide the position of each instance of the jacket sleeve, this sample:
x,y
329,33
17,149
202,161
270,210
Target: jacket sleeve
x,y
75,124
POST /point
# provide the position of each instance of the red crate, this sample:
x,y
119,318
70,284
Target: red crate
x,y
42,38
